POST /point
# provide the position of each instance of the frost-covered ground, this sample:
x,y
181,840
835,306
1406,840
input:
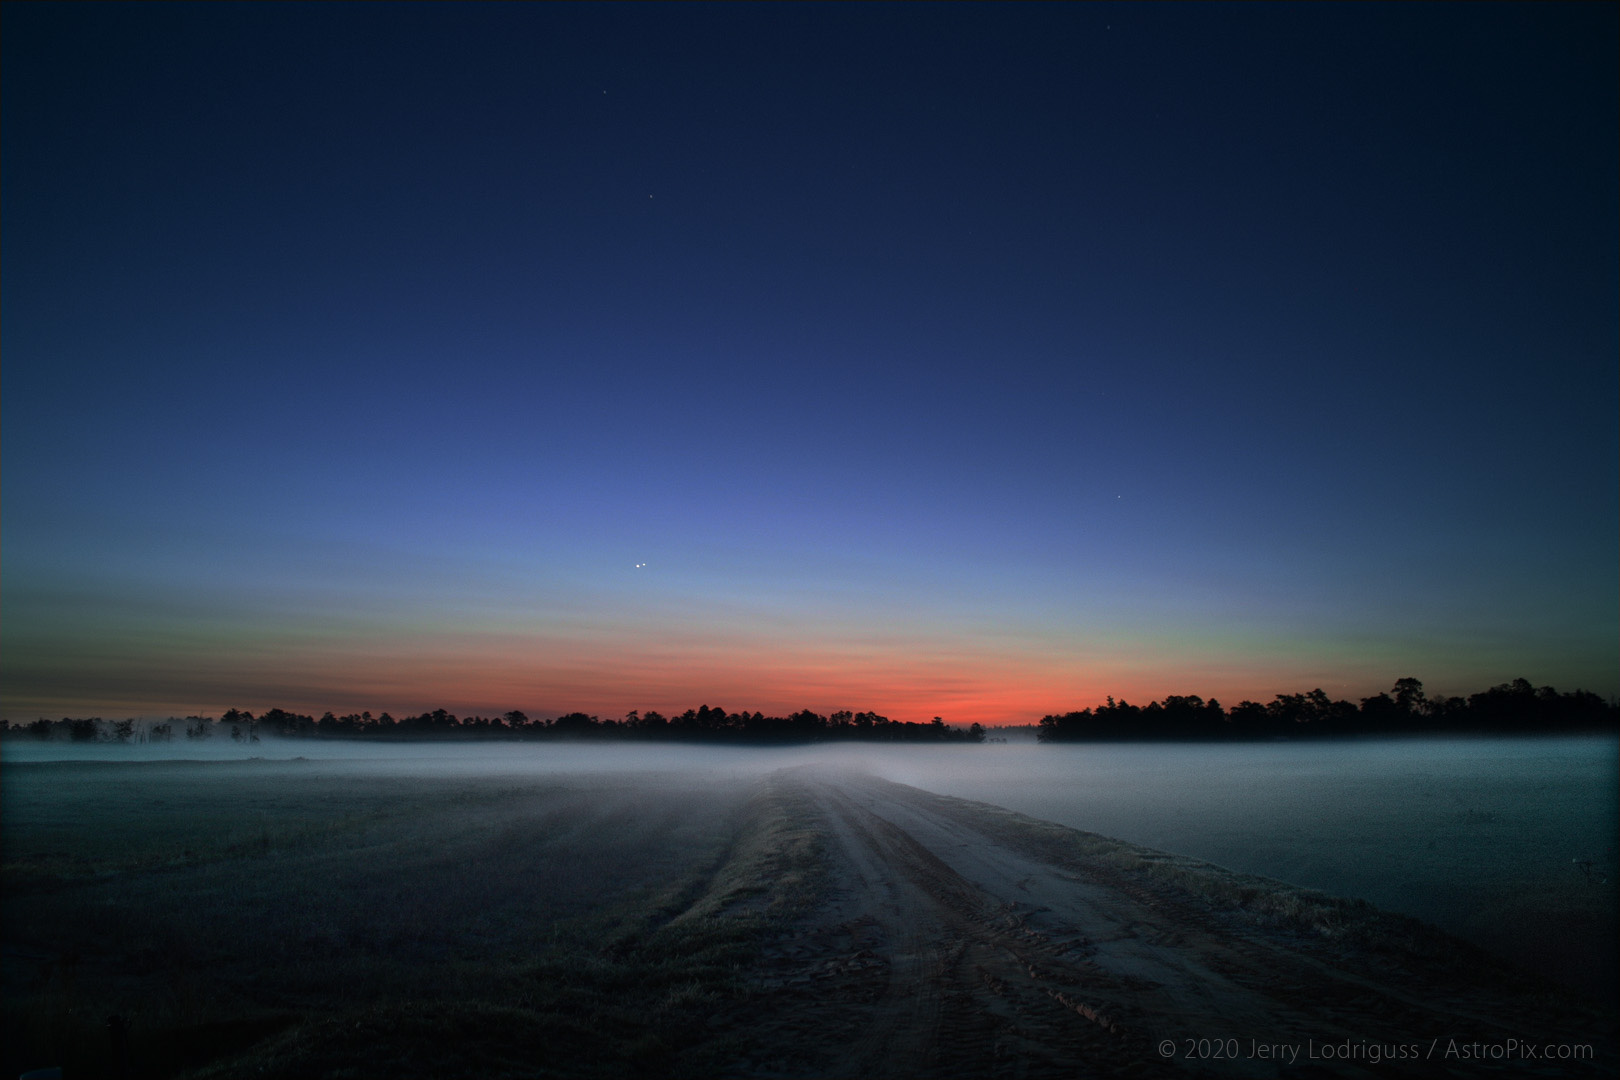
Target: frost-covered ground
x,y
1510,843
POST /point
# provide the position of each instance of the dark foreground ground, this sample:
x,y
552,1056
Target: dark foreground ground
x,y
294,919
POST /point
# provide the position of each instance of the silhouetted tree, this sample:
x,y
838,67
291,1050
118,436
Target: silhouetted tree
x,y
575,723
1510,707
1409,696
1381,713
242,724
1248,720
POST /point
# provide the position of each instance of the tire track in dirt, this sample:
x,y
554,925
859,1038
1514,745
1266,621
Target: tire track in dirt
x,y
938,977
959,940
1295,984
916,937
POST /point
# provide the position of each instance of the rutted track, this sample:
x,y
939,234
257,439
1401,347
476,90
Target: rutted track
x,y
959,940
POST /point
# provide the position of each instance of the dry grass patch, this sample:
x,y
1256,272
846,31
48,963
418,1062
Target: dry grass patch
x,y
323,924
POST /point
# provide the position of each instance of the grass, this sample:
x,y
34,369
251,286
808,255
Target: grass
x,y
292,919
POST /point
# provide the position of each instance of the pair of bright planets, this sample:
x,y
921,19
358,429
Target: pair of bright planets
x,y
642,565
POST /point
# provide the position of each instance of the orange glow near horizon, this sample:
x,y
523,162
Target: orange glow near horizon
x,y
482,662
493,679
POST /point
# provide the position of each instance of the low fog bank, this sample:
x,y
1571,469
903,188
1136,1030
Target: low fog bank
x,y
645,765
472,758
1509,842
1386,820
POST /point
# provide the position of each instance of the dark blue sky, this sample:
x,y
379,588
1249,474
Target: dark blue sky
x,y
967,359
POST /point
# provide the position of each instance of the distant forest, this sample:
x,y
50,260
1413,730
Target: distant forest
x,y
1511,708
694,725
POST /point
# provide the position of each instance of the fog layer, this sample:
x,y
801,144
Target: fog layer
x,y
1511,843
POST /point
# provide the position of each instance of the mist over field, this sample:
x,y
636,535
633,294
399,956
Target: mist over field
x,y
895,371
1500,841
1507,842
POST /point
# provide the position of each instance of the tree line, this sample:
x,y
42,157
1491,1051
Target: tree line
x,y
1510,708
703,724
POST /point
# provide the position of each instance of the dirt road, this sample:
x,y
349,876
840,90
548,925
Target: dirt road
x,y
956,939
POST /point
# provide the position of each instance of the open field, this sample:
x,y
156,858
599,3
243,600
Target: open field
x,y
1509,843
300,918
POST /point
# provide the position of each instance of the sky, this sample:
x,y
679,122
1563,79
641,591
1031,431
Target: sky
x,y
974,361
